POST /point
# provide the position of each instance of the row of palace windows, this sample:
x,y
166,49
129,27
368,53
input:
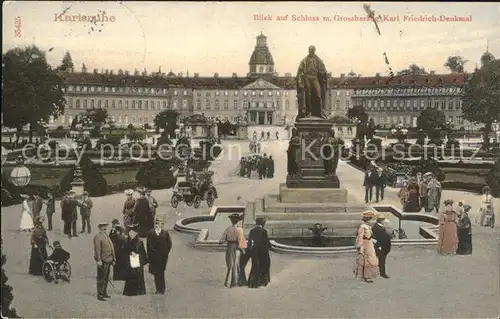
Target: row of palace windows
x,y
122,89
411,121
245,93
116,119
413,104
125,104
338,104
408,91
246,104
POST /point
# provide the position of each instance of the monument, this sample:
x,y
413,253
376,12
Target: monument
x,y
312,192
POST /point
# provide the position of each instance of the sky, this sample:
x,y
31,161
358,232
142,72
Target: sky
x,y
209,37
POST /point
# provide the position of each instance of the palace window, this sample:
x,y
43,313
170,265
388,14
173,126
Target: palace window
x,y
261,93
337,93
175,104
369,104
270,93
106,89
278,93
126,104
451,105
226,93
198,93
198,104
382,104
235,104
84,88
415,105
164,104
120,104
207,94
70,88
245,93
235,93
77,103
70,102
140,105
253,93
337,104
84,104
113,89
217,93
436,104
92,103
185,92
184,104
226,104
146,105
287,105
443,105
175,92
347,104
217,104
113,104
99,89
77,88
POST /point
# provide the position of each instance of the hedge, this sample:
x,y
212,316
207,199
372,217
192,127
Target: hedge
x,y
95,183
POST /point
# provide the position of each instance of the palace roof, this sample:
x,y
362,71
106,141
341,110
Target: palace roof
x,y
235,83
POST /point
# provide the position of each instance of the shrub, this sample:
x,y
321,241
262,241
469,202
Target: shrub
x,y
95,183
429,165
452,143
60,128
156,174
113,140
7,295
493,179
135,136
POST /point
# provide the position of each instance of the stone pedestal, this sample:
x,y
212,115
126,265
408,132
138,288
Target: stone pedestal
x,y
313,132
77,185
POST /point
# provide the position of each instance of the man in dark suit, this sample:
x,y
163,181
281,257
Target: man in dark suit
x,y
158,246
51,209
381,182
382,243
37,205
104,255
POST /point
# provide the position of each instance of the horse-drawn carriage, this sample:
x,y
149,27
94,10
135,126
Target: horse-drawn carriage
x,y
194,191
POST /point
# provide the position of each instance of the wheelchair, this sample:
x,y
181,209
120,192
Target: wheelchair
x,y
53,271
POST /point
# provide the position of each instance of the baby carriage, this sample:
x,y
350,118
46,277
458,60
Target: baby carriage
x,y
53,271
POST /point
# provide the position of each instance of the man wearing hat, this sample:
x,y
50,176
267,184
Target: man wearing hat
x,y
85,210
69,215
382,240
153,204
104,255
158,246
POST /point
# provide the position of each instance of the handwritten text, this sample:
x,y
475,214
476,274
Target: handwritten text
x,y
17,27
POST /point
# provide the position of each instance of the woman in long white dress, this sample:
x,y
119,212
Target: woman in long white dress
x,y
26,215
486,208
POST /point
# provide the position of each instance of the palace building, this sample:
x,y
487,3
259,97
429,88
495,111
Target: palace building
x,y
261,97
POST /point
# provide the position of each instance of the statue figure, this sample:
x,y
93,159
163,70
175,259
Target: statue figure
x,y
331,153
317,239
311,86
293,154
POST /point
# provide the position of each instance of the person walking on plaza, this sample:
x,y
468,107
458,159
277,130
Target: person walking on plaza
x,y
270,167
258,249
262,166
368,182
464,231
448,238
39,242
153,204
366,264
50,205
104,255
69,214
37,205
380,184
128,210
486,216
434,191
412,202
382,243
143,215
158,247
231,237
137,259
403,194
26,223
118,239
85,211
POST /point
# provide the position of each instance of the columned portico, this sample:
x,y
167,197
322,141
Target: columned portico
x,y
259,116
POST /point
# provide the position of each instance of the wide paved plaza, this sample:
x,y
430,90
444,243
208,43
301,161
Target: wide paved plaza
x,y
422,284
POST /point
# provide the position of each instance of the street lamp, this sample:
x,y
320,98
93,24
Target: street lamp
x,y
20,176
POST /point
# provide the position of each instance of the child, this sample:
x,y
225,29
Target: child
x,y
489,216
59,256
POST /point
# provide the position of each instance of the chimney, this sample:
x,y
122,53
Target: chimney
x,y
102,71
197,75
127,73
96,71
329,74
120,72
107,71
342,75
110,72
69,70
235,75
136,72
180,74
288,74
84,68
432,72
377,75
216,75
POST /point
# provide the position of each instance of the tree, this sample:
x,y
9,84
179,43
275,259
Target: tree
x,y
32,91
95,118
413,69
481,98
455,64
370,129
431,121
166,120
493,179
7,296
358,112
66,63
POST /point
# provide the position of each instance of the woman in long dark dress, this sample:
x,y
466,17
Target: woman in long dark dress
x,y
258,250
464,232
134,280
412,204
143,215
270,169
39,242
118,239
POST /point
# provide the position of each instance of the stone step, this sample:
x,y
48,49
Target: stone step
x,y
272,204
304,232
312,195
312,172
318,217
292,224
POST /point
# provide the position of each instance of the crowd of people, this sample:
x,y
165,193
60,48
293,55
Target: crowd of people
x,y
263,165
265,136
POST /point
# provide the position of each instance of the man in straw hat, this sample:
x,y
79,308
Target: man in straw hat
x,y
158,246
104,255
69,214
86,205
382,239
231,236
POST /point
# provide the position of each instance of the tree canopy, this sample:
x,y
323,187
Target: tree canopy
x,y
431,121
96,117
67,62
412,69
481,97
32,90
166,120
455,64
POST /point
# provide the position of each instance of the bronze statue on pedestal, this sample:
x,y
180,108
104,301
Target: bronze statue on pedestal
x,y
312,81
